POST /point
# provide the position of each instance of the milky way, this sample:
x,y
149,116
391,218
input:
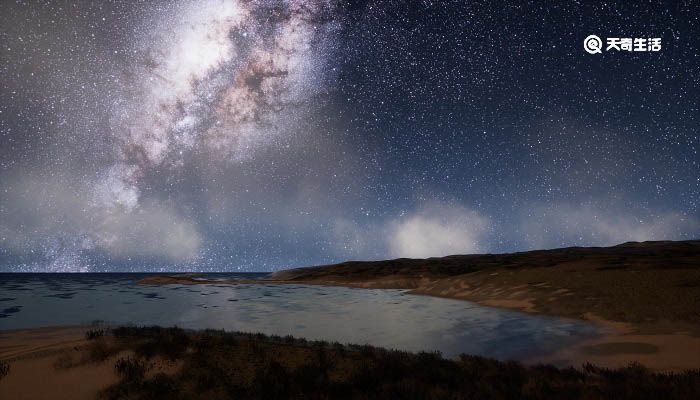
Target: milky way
x,y
258,135
222,76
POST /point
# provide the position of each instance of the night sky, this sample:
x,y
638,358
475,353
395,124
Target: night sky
x,y
259,135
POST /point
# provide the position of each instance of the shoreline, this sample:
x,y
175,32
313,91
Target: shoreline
x,y
660,346
664,346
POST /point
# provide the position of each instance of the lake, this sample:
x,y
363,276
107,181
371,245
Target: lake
x,y
380,317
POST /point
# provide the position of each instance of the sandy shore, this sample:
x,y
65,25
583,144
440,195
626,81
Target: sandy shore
x,y
34,356
58,363
670,349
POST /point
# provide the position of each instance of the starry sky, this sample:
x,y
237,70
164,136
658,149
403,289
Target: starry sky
x,y
256,135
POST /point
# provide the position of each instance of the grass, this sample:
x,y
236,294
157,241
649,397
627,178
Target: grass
x,y
96,333
222,365
4,369
131,369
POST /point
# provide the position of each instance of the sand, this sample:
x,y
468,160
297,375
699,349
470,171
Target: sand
x,y
54,363
665,347
33,355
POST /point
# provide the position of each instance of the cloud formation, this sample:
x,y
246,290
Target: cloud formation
x,y
438,230
594,224
433,230
441,229
57,222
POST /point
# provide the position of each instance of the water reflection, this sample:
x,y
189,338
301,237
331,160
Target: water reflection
x,y
387,318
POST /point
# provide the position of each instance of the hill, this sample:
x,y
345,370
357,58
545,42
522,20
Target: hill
x,y
631,282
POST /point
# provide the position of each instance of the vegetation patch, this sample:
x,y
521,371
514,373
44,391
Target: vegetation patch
x,y
4,369
220,365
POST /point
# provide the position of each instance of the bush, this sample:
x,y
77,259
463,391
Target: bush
x,y
262,367
4,369
100,351
130,369
272,382
160,387
93,334
152,341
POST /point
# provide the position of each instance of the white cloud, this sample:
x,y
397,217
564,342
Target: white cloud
x,y
601,224
152,230
438,230
60,220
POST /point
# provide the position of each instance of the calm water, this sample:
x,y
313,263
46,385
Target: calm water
x,y
387,318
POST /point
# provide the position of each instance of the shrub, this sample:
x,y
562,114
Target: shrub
x,y
253,369
100,351
93,334
272,382
160,387
4,369
130,369
151,341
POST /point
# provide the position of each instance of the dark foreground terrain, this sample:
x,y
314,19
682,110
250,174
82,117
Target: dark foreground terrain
x,y
158,363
